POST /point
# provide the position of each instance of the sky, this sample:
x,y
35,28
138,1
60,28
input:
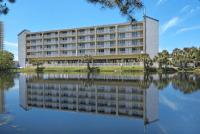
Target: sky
x,y
179,19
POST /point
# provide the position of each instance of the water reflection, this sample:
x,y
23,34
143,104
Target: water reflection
x,y
6,82
124,96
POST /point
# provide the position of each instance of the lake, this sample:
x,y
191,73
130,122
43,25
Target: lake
x,y
117,103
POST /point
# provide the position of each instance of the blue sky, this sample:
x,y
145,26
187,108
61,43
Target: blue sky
x,y
179,19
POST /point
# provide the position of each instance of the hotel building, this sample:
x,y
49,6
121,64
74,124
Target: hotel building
x,y
115,43
1,35
98,95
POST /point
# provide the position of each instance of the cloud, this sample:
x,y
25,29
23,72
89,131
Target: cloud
x,y
160,2
185,9
169,24
186,29
189,9
169,103
10,44
11,47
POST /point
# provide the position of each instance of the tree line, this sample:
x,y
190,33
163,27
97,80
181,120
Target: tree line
x,y
6,60
180,58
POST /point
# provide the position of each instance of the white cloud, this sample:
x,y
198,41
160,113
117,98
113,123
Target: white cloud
x,y
189,9
11,47
10,44
160,1
185,8
186,29
169,103
169,24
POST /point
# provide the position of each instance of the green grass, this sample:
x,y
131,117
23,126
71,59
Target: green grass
x,y
84,69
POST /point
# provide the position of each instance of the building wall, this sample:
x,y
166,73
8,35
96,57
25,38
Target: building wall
x,y
99,96
2,103
22,48
117,41
152,36
1,35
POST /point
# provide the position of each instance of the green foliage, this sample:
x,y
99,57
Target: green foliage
x,y
147,61
126,7
6,80
162,58
3,7
182,57
88,59
6,60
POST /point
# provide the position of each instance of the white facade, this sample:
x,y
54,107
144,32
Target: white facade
x,y
113,43
152,36
1,35
22,48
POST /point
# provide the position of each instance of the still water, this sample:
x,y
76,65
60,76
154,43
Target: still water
x,y
99,103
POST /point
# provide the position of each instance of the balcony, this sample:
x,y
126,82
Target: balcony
x,y
33,37
51,36
67,41
86,40
50,42
68,35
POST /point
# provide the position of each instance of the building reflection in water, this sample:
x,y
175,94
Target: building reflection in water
x,y
2,104
110,95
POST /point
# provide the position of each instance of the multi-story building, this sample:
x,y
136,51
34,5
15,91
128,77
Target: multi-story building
x,y
97,95
114,43
1,35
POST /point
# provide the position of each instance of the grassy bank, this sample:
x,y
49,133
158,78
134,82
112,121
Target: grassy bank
x,y
107,69
84,69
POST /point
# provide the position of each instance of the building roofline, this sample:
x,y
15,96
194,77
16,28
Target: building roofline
x,y
151,18
86,27
22,32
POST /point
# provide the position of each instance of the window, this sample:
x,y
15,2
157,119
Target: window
x,y
122,42
112,50
122,49
112,36
101,50
122,35
112,43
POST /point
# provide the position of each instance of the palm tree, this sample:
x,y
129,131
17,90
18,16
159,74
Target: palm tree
x,y
3,7
162,58
147,62
88,59
36,63
126,7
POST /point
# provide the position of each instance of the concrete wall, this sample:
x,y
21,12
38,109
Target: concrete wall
x,y
1,35
152,103
23,91
152,36
22,48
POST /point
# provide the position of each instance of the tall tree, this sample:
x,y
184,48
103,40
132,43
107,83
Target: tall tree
x,y
6,60
147,62
88,59
3,6
126,7
162,58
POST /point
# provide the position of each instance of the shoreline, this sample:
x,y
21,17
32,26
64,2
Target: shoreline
x,y
106,69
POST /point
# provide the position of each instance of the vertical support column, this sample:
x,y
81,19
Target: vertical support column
x,y
59,97
117,101
96,103
77,98
144,35
59,52
43,96
76,42
116,39
43,45
95,36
